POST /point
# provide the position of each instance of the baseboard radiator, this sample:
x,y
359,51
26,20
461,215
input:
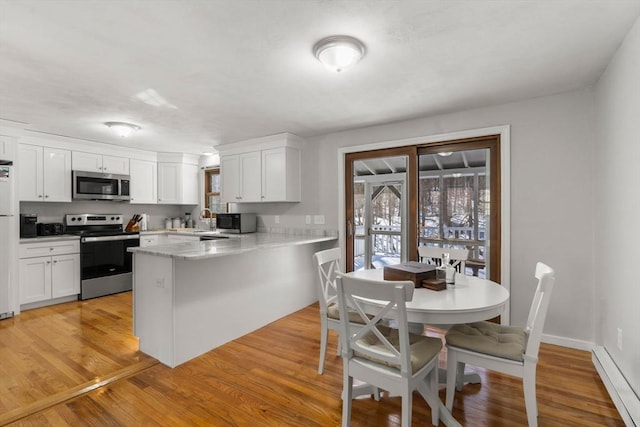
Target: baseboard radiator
x,y
623,396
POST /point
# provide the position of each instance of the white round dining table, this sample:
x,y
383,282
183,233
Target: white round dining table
x,y
470,299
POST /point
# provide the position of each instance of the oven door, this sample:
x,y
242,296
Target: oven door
x,y
106,266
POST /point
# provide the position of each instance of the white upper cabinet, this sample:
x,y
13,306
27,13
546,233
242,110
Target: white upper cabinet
x,y
92,162
177,180
143,184
268,174
241,178
44,174
7,147
281,175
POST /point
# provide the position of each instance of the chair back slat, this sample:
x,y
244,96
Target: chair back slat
x,y
328,263
539,306
394,294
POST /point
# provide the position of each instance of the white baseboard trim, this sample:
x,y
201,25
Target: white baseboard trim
x,y
626,401
568,342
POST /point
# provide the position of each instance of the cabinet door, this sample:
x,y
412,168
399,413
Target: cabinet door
x,y
144,184
57,175
7,148
35,279
116,165
30,173
89,162
250,177
229,179
169,183
274,175
190,186
65,275
281,175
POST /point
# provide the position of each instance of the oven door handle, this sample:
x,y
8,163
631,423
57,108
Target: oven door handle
x,y
109,238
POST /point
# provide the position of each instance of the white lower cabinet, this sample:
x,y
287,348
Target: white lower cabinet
x,y
51,276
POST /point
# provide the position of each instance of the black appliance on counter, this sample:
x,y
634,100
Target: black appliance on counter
x,y
50,228
28,226
106,266
236,222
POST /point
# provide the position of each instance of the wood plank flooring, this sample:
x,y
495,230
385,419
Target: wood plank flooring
x,y
77,364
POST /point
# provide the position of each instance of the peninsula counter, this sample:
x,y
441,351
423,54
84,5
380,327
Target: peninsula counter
x,y
189,298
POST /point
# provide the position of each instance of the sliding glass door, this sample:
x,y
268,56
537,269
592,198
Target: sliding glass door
x,y
444,194
378,208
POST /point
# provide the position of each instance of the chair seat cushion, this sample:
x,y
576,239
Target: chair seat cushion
x,y
422,348
333,312
508,342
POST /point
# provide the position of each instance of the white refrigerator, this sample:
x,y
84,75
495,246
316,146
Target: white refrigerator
x,y
8,238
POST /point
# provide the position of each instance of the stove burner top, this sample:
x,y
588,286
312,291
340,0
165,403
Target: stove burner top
x,y
93,225
96,233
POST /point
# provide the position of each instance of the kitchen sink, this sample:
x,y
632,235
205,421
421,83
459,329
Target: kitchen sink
x,y
210,237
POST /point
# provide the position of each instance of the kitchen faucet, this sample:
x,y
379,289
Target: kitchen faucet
x,y
210,217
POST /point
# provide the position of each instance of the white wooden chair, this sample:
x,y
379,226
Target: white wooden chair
x,y
391,359
507,349
328,263
433,255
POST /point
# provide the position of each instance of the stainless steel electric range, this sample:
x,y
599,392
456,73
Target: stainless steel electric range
x,y
106,266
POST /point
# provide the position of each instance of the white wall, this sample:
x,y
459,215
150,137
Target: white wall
x,y
551,196
617,204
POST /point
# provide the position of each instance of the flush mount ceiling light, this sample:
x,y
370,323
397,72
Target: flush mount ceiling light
x,y
338,53
122,129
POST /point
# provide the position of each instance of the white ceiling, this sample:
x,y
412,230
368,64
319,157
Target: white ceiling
x,y
238,69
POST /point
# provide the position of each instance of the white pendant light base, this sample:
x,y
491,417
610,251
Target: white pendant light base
x,y
338,53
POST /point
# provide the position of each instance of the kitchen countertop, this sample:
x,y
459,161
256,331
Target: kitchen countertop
x,y
188,232
231,246
41,239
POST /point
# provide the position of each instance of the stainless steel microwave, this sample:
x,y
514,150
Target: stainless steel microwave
x,y
236,222
100,186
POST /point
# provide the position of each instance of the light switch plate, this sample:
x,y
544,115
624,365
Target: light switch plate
x,y
277,219
318,219
307,219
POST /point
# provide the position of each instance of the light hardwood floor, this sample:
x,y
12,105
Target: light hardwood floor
x,y
77,364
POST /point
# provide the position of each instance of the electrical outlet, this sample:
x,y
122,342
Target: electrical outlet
x,y
318,219
307,219
619,339
277,219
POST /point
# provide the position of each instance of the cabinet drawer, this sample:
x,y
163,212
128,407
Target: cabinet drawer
x,y
30,250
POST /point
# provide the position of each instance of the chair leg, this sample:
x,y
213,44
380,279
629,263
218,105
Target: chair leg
x,y
347,397
452,375
407,404
529,386
324,332
429,392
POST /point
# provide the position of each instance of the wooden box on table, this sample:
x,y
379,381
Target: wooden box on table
x,y
421,274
